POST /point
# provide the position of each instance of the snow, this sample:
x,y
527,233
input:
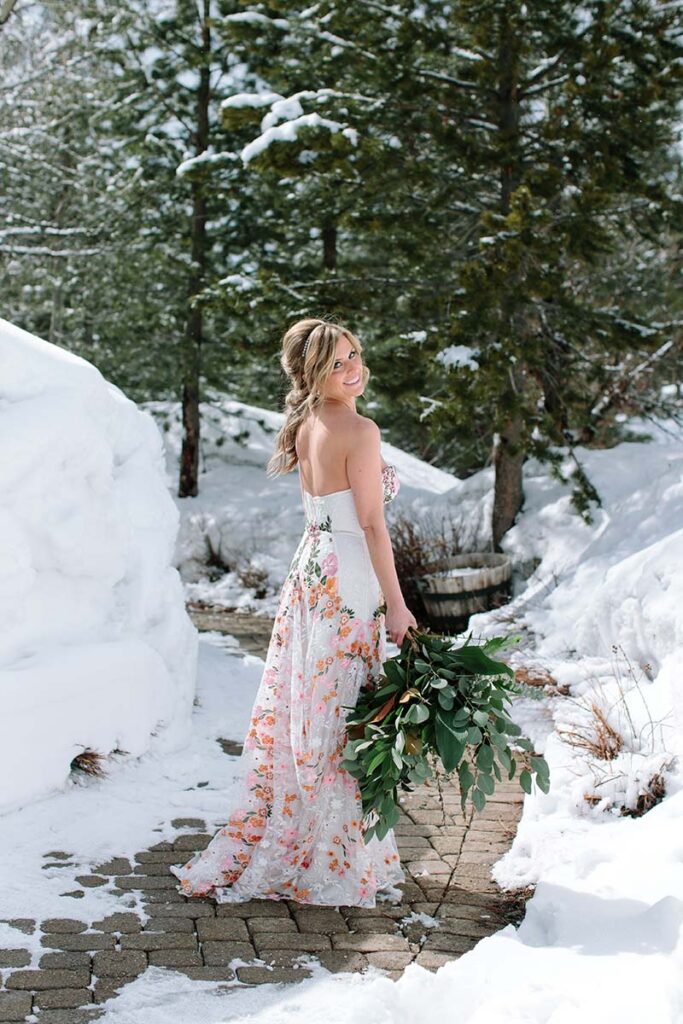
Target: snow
x,y
459,357
598,608
96,650
97,819
288,131
250,99
255,18
499,982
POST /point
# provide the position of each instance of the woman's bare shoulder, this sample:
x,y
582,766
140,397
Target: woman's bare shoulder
x,y
364,428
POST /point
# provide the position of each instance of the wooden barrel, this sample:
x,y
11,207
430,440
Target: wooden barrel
x,y
464,585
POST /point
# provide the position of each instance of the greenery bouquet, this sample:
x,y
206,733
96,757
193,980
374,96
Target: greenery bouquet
x,y
441,700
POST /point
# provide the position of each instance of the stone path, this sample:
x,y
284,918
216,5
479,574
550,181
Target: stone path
x,y
447,861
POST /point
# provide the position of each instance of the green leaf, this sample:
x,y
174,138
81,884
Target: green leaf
x,y
478,662
466,776
486,784
481,718
543,783
512,729
474,734
497,643
446,699
525,780
393,671
387,803
478,799
398,760
450,746
540,766
421,713
484,757
422,666
377,759
504,758
498,740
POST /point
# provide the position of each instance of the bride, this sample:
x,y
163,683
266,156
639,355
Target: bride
x,y
295,829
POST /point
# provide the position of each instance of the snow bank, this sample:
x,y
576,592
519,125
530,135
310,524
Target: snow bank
x,y
602,614
96,649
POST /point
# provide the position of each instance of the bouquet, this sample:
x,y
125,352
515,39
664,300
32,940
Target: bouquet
x,y
441,700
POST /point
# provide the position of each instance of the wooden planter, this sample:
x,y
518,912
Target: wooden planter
x,y
464,585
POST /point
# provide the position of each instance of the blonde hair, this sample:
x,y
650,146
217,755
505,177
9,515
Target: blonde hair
x,y
307,357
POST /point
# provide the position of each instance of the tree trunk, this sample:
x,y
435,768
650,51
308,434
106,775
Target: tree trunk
x,y
508,459
192,346
508,453
329,245
6,8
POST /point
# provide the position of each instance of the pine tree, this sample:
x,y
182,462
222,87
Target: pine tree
x,y
519,145
171,69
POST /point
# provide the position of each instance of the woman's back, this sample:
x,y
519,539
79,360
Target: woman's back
x,y
322,444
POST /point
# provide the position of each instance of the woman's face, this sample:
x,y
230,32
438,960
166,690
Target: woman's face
x,y
346,377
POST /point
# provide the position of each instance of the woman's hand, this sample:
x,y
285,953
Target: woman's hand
x,y
398,620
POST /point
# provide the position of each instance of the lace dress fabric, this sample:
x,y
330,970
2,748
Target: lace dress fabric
x,y
295,830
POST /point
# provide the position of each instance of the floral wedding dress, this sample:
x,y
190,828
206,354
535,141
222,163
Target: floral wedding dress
x,y
295,828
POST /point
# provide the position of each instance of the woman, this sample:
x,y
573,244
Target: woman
x,y
297,831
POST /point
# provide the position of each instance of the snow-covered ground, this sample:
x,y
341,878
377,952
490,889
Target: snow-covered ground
x,y
96,649
95,819
600,620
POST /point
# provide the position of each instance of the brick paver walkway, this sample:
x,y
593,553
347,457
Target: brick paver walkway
x,y
447,861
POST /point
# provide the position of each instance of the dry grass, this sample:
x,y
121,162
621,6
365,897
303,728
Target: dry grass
x,y
215,561
620,748
512,903
89,762
654,794
600,739
253,577
541,678
419,548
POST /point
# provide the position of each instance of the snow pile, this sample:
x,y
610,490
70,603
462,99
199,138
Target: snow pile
x,y
237,537
602,616
96,649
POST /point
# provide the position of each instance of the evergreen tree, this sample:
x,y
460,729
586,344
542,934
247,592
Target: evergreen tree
x,y
519,145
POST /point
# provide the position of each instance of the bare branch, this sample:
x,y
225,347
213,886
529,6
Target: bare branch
x,y
451,80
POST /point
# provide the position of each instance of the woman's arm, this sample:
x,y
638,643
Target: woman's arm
x,y
364,471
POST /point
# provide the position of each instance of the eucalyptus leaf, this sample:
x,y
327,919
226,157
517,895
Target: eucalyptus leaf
x,y
486,783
